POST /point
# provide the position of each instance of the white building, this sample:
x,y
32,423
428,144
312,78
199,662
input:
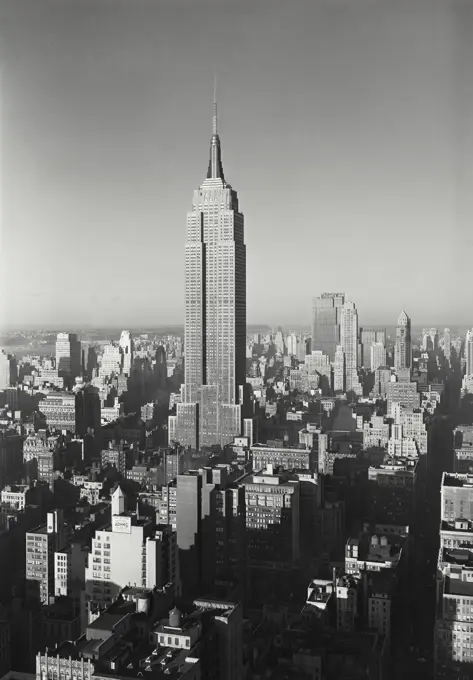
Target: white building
x,y
339,370
129,553
378,355
126,346
349,343
15,496
112,360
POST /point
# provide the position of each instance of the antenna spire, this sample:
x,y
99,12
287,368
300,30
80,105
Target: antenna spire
x,y
214,123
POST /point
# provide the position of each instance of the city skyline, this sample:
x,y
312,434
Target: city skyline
x,y
110,97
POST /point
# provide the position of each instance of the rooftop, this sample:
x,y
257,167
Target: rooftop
x,y
457,480
457,556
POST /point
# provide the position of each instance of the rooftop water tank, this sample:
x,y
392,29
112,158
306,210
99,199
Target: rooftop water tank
x,y
175,618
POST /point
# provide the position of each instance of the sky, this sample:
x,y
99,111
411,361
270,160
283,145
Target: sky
x,y
346,129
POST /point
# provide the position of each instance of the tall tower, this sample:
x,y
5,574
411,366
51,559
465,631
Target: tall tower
x,y
215,304
469,352
126,346
447,344
68,355
326,311
403,346
349,343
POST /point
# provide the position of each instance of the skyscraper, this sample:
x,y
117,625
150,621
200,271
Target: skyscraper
x,y
215,304
367,337
339,370
469,352
403,347
68,355
126,346
349,343
7,370
326,311
378,355
447,344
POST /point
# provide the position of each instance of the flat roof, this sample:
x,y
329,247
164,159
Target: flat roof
x,y
457,480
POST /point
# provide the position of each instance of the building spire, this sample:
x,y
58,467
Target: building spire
x,y
215,170
214,126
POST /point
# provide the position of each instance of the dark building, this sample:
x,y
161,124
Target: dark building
x,y
188,525
88,412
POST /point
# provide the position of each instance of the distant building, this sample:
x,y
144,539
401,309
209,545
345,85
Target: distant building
x,y
469,353
112,360
404,393
377,355
339,370
59,410
447,344
7,371
126,346
369,336
349,344
68,356
326,316
289,458
403,345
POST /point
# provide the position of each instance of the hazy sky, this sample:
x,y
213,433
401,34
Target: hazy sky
x,y
346,129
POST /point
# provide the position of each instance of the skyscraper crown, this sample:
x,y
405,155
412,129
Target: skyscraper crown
x,y
403,319
215,170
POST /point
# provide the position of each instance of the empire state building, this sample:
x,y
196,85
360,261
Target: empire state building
x,y
215,308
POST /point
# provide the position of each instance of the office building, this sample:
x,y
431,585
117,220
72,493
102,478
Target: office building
x,y
404,393
377,355
173,463
87,410
290,458
130,552
453,647
89,361
115,455
11,463
430,339
326,312
15,496
469,353
68,356
447,344
339,370
463,449
7,371
215,304
349,344
41,544
59,410
403,345
112,360
272,519
368,336
126,346
453,641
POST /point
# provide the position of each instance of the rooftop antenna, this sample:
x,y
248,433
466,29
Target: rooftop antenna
x,y
214,126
